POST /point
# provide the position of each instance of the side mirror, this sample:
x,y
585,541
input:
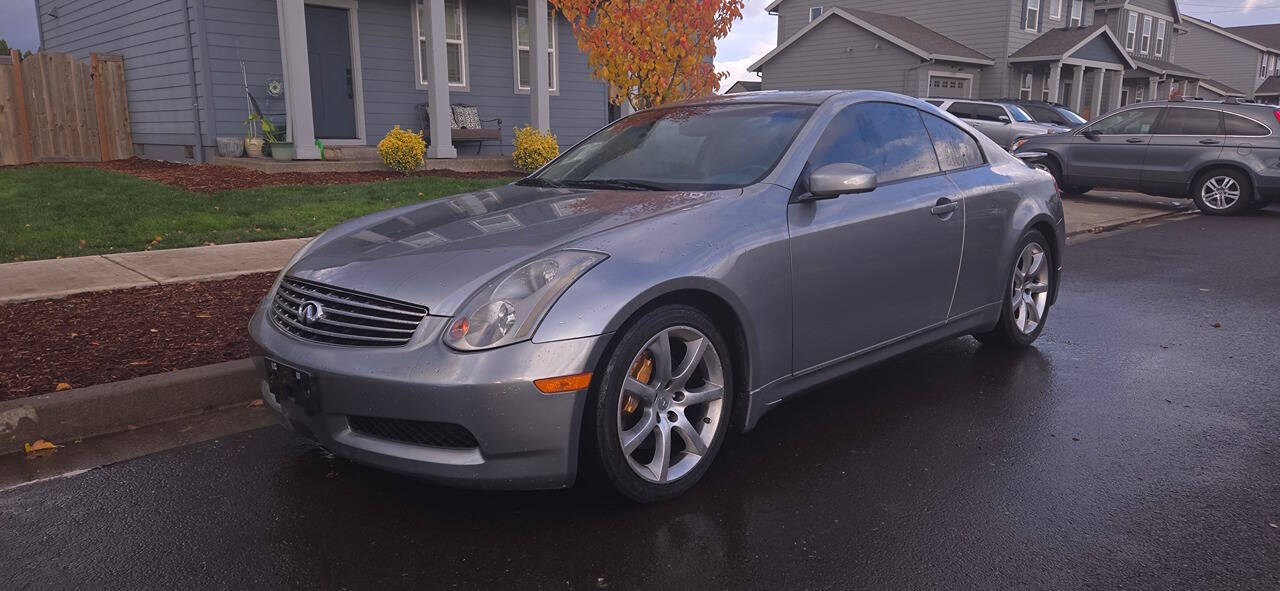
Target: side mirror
x,y
1092,134
1003,119
841,178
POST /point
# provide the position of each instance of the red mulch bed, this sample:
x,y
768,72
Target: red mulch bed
x,y
211,178
107,336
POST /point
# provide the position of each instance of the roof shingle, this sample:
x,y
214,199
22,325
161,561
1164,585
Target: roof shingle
x,y
917,34
1268,35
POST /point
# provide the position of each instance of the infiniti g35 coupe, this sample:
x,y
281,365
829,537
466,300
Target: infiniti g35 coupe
x,y
661,284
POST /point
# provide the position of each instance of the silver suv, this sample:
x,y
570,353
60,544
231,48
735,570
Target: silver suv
x,y
1004,123
1223,155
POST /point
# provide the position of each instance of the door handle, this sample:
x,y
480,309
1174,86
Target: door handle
x,y
1209,142
1135,140
944,207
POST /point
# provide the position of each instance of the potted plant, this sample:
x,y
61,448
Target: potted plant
x,y
253,144
280,149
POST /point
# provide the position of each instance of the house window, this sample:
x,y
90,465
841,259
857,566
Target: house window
x,y
1160,38
1055,9
1031,18
1146,34
1262,66
1124,96
814,13
455,27
1025,92
1044,94
1077,13
1137,95
1131,33
522,48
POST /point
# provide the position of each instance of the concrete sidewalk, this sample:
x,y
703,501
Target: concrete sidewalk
x,y
32,280
1096,212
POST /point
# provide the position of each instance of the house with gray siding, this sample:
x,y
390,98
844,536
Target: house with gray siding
x,y
343,72
1078,52
1245,58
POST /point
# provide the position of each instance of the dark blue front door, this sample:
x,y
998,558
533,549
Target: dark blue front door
x,y
333,103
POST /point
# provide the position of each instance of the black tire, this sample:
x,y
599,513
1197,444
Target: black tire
x,y
1055,169
603,448
1216,206
1006,332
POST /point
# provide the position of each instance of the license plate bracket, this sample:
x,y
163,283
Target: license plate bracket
x,y
290,383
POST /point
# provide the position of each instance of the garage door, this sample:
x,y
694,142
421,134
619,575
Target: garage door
x,y
949,87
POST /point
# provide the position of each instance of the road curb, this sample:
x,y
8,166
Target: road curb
x,y
1121,224
108,408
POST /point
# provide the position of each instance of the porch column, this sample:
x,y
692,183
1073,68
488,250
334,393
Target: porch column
x,y
1153,85
539,69
1191,89
1117,85
297,79
1095,103
1055,81
1077,88
441,141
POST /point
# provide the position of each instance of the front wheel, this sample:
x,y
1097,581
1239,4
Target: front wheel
x,y
1025,306
661,410
1052,167
1222,192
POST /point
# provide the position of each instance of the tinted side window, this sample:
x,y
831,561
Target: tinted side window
x,y
989,112
887,138
1135,122
1183,121
962,110
1237,125
1044,114
956,149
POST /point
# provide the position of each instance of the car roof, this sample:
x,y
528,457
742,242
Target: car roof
x,y
803,97
1229,105
964,100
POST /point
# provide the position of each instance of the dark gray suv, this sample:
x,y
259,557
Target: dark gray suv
x,y
1224,155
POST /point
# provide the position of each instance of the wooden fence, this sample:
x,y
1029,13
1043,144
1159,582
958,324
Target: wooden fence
x,y
55,108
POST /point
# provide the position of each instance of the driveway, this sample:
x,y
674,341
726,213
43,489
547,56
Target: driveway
x,y
1135,447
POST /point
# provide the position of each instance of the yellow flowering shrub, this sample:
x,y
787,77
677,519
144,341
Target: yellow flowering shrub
x,y
533,148
402,150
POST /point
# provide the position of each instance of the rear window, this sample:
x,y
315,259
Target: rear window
x,y
1045,114
1237,125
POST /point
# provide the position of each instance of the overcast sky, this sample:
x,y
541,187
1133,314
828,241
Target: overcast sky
x,y
751,37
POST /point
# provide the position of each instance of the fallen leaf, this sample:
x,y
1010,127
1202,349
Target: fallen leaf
x,y
61,386
204,315
140,362
39,445
1216,325
130,427
154,330
84,243
255,403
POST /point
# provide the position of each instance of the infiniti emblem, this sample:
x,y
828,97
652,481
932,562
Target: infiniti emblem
x,y
310,312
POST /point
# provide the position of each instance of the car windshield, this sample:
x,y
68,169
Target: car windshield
x,y
1072,117
699,147
1020,115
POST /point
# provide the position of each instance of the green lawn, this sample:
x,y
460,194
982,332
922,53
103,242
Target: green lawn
x,y
52,211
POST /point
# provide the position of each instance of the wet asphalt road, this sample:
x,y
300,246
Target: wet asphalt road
x,y
1138,446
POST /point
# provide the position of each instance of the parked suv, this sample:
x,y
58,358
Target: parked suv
x,y
1003,123
1222,154
1048,113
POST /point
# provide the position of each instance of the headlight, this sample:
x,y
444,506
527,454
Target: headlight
x,y
508,309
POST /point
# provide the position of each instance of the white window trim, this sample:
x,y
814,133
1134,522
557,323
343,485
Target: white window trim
x,y
1146,35
552,48
1077,13
1028,80
1138,94
1131,32
419,81
1160,31
1033,6
1055,9
812,16
1262,65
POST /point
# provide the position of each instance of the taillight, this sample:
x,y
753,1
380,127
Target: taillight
x,y
1277,114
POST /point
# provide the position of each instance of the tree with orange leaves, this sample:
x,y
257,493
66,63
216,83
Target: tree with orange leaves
x,y
659,50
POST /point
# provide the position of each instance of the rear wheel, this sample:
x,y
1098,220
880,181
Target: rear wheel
x,y
1222,192
1025,306
661,410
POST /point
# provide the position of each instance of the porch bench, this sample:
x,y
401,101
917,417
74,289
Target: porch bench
x,y
459,134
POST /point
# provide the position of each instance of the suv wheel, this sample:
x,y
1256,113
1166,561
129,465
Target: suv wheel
x,y
1222,191
1052,167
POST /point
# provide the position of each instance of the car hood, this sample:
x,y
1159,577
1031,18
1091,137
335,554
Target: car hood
x,y
436,254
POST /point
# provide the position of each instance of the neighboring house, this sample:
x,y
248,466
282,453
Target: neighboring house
x,y
1076,52
350,69
744,86
1246,58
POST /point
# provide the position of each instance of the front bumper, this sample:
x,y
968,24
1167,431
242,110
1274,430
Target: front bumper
x,y
526,439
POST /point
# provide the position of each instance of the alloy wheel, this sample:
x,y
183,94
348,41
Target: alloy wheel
x,y
671,404
1220,192
1030,293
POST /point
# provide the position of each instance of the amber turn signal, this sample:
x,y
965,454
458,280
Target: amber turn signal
x,y
563,383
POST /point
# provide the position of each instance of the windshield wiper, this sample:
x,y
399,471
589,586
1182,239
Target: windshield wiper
x,y
538,182
631,184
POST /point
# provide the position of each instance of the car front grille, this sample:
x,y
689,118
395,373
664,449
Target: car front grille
x,y
446,435
345,317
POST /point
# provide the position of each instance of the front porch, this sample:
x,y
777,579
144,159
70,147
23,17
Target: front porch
x,y
1158,80
1081,67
